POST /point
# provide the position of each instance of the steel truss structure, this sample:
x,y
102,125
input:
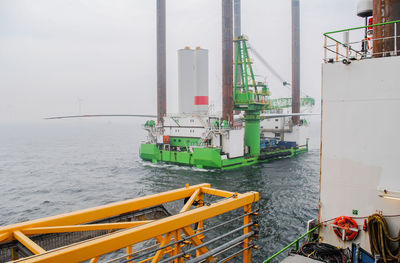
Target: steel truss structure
x,y
181,237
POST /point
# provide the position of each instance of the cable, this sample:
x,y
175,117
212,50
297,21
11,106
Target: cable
x,y
134,253
356,217
268,66
210,241
380,238
323,252
196,234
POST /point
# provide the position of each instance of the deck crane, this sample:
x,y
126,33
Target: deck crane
x,y
281,103
248,95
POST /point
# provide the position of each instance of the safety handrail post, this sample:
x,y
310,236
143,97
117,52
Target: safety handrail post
x,y
246,243
128,253
325,50
337,51
296,242
373,43
395,38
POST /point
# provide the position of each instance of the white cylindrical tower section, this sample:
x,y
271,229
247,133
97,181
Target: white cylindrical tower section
x,y
186,80
201,81
364,8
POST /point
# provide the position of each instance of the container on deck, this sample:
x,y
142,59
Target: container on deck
x,y
286,145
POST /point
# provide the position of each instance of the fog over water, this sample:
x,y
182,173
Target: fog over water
x,y
61,166
63,57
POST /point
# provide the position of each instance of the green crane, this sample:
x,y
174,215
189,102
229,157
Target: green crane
x,y
249,96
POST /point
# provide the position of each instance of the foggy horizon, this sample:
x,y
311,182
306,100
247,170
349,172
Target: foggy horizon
x,y
99,57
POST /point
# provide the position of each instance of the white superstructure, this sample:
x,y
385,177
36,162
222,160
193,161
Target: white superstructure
x,y
187,125
206,130
283,129
360,144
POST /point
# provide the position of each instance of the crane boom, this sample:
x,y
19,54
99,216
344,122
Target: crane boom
x,y
101,115
269,67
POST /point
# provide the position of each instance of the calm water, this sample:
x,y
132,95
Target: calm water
x,y
55,167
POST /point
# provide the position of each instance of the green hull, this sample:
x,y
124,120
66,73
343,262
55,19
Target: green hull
x,y
210,158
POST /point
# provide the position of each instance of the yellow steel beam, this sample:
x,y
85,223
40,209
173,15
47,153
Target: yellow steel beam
x,y
100,212
77,228
233,256
212,191
161,252
5,236
169,250
246,243
105,244
14,253
145,260
178,247
159,239
201,203
201,223
28,243
196,241
129,253
94,260
189,203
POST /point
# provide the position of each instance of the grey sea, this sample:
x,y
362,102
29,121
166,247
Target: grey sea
x,y
53,167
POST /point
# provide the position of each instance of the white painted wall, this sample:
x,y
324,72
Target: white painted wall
x,y
186,80
201,77
233,143
186,125
273,124
299,134
194,132
360,142
182,120
192,79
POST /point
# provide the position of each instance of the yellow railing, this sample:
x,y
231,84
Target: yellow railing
x,y
170,235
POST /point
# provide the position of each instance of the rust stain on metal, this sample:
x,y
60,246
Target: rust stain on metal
x,y
227,61
161,62
385,11
295,60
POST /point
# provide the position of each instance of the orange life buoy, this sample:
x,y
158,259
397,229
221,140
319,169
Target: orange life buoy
x,y
346,225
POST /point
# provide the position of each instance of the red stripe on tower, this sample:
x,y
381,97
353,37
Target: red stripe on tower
x,y
200,100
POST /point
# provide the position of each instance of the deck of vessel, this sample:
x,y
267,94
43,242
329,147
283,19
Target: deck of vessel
x,y
298,259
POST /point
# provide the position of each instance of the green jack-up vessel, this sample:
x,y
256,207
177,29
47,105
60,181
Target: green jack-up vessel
x,y
206,141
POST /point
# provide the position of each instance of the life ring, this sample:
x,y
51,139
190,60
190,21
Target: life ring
x,y
346,225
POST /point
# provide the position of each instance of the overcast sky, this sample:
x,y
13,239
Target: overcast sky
x,y
61,57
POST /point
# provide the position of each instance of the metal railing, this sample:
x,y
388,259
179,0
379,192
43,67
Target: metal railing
x,y
363,43
296,243
186,236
